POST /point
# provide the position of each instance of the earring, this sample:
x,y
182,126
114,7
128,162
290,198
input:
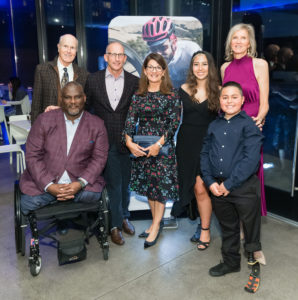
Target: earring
x,y
231,51
248,51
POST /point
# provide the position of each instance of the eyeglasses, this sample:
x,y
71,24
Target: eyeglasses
x,y
157,69
114,55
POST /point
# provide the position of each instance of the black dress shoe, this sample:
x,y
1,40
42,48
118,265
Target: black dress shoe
x,y
145,234
222,269
149,244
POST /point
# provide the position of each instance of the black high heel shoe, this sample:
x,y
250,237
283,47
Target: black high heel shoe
x,y
145,234
204,244
149,244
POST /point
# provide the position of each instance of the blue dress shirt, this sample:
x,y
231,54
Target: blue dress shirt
x,y
231,151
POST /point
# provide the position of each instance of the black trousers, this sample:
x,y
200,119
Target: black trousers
x,y
117,176
244,203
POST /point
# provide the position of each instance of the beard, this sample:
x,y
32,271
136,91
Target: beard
x,y
73,111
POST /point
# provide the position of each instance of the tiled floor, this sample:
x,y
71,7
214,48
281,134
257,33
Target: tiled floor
x,y
173,269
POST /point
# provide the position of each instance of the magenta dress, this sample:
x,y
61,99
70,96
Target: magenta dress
x,y
241,71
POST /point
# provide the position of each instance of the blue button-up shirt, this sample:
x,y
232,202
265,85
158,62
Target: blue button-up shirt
x,y
231,151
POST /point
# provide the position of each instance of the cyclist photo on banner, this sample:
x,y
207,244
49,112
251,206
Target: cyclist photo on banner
x,y
175,38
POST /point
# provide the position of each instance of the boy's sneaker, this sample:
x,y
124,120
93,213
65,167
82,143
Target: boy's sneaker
x,y
222,269
254,279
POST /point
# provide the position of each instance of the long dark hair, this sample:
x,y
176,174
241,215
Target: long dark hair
x,y
16,83
212,84
166,84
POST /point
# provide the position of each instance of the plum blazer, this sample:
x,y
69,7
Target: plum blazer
x,y
46,152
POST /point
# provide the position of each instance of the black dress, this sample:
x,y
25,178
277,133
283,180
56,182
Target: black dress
x,y
196,118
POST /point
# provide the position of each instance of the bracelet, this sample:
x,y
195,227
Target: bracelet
x,y
159,144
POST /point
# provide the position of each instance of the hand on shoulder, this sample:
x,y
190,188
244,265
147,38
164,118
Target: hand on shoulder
x,y
51,107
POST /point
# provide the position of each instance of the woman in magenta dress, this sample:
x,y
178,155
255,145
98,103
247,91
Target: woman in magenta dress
x,y
253,75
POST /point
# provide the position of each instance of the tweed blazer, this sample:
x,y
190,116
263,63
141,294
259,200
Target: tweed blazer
x,y
46,152
98,102
47,88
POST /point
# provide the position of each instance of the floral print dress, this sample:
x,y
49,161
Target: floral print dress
x,y
156,114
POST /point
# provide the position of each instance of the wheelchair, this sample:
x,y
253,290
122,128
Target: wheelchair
x,y
54,213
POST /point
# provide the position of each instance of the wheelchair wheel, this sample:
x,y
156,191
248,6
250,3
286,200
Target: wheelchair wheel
x,y
35,267
17,216
22,240
105,199
105,251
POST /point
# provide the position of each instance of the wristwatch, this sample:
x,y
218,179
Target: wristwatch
x,y
82,183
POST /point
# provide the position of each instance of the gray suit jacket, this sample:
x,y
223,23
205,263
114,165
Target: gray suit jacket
x,y
98,103
47,88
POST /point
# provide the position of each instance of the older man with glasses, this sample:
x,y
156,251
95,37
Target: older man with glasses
x,y
109,94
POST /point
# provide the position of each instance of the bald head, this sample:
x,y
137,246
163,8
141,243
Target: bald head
x,y
72,84
69,37
67,49
117,44
73,100
115,57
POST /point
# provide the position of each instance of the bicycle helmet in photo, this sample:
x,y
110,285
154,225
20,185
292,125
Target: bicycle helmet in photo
x,y
157,29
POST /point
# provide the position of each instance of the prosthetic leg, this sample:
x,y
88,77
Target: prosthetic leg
x,y
254,277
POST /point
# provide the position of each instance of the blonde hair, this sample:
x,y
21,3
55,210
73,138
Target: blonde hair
x,y
252,50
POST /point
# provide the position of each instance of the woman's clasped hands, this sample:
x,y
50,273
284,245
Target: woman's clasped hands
x,y
139,151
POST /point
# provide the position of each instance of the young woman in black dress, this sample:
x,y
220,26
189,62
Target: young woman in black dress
x,y
199,96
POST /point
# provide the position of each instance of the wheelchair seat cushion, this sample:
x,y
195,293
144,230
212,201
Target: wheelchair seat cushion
x,y
59,209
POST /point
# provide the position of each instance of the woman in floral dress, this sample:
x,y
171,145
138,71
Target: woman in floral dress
x,y
156,109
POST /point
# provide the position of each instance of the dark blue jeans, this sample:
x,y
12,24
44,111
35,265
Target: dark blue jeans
x,y
31,203
243,203
117,176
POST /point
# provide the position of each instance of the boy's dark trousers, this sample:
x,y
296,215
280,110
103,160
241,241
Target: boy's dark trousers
x,y
243,203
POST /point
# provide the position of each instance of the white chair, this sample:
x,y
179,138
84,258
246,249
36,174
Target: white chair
x,y
25,104
21,164
2,119
15,135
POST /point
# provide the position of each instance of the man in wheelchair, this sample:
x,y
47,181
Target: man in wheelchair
x,y
66,152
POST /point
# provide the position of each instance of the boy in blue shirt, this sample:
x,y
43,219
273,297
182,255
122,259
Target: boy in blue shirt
x,y
229,161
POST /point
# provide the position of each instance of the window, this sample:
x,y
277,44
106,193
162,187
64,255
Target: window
x,y
276,27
